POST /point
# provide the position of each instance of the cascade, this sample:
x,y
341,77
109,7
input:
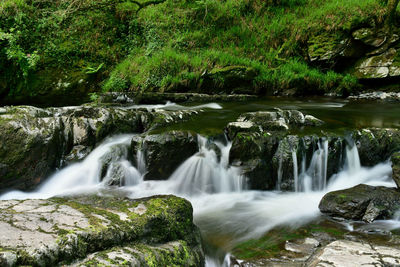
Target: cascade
x,y
315,177
295,171
205,172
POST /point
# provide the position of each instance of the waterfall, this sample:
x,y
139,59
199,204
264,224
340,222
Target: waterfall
x,y
205,172
109,157
295,171
352,157
315,177
279,182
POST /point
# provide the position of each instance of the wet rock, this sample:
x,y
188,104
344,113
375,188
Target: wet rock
x,y
361,202
34,140
168,254
163,153
344,253
396,168
306,246
376,145
390,96
156,98
77,154
61,231
266,121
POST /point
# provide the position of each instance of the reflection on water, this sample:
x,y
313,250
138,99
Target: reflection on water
x,y
339,114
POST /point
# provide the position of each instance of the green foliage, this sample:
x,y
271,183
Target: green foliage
x,y
182,39
172,43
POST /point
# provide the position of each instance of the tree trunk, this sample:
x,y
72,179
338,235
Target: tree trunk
x,y
391,12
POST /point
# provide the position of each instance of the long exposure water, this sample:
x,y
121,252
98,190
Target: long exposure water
x,y
224,209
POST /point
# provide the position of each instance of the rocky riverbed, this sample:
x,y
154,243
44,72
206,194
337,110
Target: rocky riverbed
x,y
272,165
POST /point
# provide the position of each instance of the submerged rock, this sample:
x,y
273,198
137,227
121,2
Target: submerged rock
x,y
362,202
345,253
35,141
396,168
163,153
58,231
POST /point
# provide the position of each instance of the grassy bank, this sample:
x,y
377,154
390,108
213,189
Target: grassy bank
x,y
81,46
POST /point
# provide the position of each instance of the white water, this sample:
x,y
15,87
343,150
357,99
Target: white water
x,y
221,204
173,106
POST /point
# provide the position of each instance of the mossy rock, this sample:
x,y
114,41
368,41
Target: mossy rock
x,y
63,230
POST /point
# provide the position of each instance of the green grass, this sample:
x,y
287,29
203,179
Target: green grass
x,y
172,43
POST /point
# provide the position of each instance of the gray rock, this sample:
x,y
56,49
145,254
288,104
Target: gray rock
x,y
362,202
61,231
385,96
370,37
163,153
35,140
344,253
267,121
380,66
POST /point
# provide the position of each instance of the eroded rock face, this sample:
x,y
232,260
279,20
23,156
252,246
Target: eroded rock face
x,y
61,231
345,253
34,140
362,202
163,153
384,65
396,168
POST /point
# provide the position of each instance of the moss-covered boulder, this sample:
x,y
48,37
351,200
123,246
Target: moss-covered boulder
x,y
230,79
362,202
35,141
163,153
327,49
156,231
376,145
396,168
384,65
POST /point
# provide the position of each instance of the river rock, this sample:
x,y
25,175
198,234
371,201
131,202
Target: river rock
x,y
266,121
345,253
163,153
156,98
362,202
156,231
384,96
376,145
396,168
35,140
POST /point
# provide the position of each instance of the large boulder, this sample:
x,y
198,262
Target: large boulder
x,y
396,168
327,49
163,153
156,231
362,202
376,145
230,79
35,141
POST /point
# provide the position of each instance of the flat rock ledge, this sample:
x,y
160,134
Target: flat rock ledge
x,y
92,230
345,253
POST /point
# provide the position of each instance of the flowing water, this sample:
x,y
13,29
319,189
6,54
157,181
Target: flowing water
x,y
225,211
